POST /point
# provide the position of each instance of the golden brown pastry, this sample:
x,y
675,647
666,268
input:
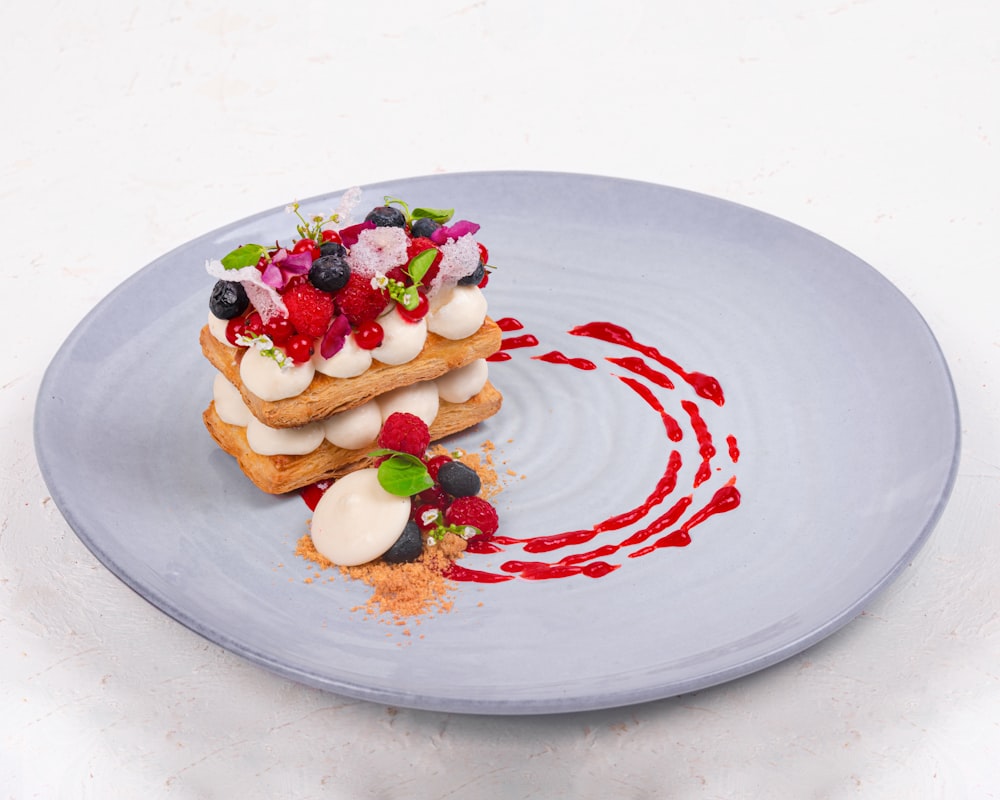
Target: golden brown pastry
x,y
280,474
327,396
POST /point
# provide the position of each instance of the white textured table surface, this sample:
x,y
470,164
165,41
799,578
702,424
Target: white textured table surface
x,y
130,130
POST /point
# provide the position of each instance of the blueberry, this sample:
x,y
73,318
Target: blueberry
x,y
424,226
332,249
229,299
459,480
386,217
475,278
330,273
407,547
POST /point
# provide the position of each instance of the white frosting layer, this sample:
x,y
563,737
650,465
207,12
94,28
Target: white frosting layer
x,y
420,399
463,383
217,327
458,313
349,362
262,376
402,341
356,520
355,428
267,441
229,403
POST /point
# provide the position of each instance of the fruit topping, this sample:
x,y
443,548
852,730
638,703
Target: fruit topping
x,y
458,479
359,301
229,299
309,309
307,246
474,278
369,335
299,348
424,227
407,547
279,330
386,217
330,271
406,433
473,512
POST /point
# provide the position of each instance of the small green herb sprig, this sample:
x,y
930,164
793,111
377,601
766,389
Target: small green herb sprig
x,y
408,296
439,215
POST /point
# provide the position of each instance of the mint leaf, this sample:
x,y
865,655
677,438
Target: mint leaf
x,y
441,215
420,263
402,474
244,256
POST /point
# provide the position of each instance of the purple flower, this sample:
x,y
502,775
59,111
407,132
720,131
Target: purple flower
x,y
456,231
283,265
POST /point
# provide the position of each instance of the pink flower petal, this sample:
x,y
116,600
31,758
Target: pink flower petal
x,y
335,336
273,276
456,231
296,263
349,235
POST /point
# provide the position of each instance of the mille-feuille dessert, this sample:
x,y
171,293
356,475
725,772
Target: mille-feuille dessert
x,y
318,343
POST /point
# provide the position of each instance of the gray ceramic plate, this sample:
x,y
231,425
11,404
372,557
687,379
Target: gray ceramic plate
x,y
835,391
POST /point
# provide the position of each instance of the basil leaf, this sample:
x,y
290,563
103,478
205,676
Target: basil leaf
x,y
244,256
404,475
441,215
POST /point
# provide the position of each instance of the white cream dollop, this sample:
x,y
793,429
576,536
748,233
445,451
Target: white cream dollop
x,y
356,427
349,362
262,376
217,327
458,313
463,383
420,399
229,403
402,340
357,520
267,441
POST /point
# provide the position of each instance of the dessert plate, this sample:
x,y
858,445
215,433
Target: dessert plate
x,y
802,456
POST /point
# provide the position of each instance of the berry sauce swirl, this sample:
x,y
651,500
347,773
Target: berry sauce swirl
x,y
656,527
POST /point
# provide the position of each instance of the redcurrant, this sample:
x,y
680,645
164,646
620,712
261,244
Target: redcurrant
x,y
234,328
329,236
418,313
434,464
279,330
254,324
369,335
299,348
307,246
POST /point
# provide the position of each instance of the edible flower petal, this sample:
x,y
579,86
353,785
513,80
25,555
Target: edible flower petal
x,y
456,231
284,265
349,235
335,336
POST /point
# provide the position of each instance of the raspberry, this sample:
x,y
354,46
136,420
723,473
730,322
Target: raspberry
x,y
473,511
309,309
406,433
360,301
